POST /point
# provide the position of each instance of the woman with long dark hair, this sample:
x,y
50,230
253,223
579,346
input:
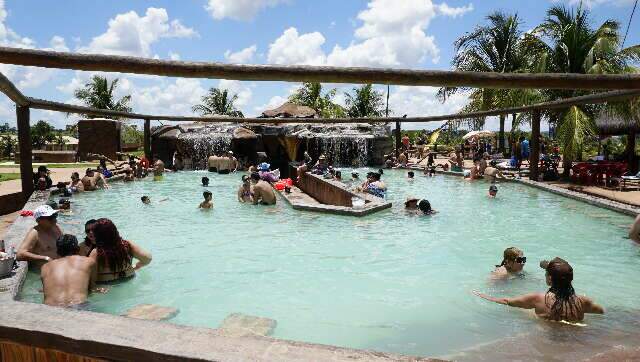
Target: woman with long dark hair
x,y
114,254
560,302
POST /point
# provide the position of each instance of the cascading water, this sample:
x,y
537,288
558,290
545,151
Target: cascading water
x,y
344,151
207,141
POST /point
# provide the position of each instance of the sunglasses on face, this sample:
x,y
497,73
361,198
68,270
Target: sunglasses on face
x,y
521,259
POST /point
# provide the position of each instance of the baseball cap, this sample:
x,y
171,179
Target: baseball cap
x,y
44,211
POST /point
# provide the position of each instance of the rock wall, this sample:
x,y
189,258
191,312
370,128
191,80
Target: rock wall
x,y
100,136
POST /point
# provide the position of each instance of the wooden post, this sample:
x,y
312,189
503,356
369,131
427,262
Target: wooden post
x,y
398,139
24,142
535,146
147,139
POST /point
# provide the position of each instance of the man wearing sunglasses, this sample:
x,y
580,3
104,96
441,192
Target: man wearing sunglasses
x,y
39,245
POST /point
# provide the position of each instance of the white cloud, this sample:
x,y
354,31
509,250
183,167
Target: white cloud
x,y
454,12
174,56
239,9
165,98
274,102
291,48
58,44
392,34
243,56
422,101
242,90
131,34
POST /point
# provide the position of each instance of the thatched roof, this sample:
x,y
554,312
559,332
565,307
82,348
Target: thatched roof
x,y
290,110
608,124
243,133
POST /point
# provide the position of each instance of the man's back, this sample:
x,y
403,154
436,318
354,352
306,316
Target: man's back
x,y
264,192
67,280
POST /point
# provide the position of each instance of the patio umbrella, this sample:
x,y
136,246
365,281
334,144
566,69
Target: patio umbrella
x,y
478,134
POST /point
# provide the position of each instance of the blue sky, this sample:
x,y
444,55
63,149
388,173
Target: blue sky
x,y
415,34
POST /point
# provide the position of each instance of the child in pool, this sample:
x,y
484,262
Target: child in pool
x,y
207,203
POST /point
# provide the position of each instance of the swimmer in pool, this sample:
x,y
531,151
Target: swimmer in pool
x,y
145,200
513,261
493,191
410,176
560,302
208,200
205,181
245,195
634,231
419,206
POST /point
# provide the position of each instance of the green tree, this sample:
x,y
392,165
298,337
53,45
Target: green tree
x,y
495,47
131,135
568,43
8,145
218,102
42,133
310,95
98,93
365,102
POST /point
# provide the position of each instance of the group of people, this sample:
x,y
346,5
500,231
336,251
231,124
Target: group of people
x,y
559,303
70,271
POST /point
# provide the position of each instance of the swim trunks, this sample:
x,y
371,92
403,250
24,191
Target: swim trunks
x,y
80,307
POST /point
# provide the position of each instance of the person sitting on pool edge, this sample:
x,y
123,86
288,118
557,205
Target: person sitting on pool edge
x,y
205,181
244,191
262,191
513,261
67,281
38,246
207,203
560,302
493,191
115,255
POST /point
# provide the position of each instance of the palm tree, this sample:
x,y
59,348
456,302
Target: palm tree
x,y
98,93
495,47
567,43
365,102
218,102
310,95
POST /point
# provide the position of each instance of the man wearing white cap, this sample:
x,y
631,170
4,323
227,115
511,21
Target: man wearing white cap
x,y
39,245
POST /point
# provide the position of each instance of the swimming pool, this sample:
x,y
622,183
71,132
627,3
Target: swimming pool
x,y
387,282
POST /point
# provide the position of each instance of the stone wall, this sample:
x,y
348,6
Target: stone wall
x,y
99,136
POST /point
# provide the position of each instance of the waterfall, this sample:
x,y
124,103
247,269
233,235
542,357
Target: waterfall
x,y
346,151
200,146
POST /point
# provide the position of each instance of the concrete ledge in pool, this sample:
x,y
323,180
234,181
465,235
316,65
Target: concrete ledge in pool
x,y
313,193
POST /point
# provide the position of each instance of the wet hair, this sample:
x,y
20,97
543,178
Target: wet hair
x,y
493,188
375,176
424,206
143,198
88,224
255,176
566,302
67,245
410,174
206,194
245,178
355,174
205,181
42,168
112,249
509,254
381,172
52,204
75,175
338,174
88,171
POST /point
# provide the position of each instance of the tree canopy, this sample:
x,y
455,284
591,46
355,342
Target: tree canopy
x,y
98,93
218,102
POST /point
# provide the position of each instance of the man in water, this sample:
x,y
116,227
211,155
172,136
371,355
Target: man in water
x,y
158,170
68,280
207,203
420,206
39,245
41,179
560,302
634,231
262,191
147,200
410,176
493,173
213,163
232,162
493,191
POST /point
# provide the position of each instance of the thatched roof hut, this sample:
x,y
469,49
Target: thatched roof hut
x,y
609,124
290,110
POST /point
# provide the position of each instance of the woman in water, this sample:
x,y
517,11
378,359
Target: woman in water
x,y
89,243
513,261
244,191
114,254
560,302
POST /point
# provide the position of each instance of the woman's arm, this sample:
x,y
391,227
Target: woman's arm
x,y
143,256
527,301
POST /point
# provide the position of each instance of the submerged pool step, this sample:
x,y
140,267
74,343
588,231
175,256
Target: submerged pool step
x,y
240,325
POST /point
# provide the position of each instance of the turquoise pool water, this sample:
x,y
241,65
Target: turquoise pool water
x,y
388,281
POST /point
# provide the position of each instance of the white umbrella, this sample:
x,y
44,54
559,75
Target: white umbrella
x,y
478,134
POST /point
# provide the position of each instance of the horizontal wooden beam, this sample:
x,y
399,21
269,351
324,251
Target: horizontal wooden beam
x,y
12,92
304,73
612,96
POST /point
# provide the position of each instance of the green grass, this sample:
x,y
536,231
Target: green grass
x,y
9,176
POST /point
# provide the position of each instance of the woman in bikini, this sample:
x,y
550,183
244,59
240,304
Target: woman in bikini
x,y
114,254
245,195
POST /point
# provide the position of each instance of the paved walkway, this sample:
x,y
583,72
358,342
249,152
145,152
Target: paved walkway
x,y
57,175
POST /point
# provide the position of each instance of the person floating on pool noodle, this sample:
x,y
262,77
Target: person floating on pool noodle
x,y
208,200
513,261
560,303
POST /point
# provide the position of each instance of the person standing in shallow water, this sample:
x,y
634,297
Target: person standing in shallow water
x,y
560,302
262,191
245,195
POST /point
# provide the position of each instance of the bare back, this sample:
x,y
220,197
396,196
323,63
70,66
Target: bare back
x,y
542,303
67,281
263,193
